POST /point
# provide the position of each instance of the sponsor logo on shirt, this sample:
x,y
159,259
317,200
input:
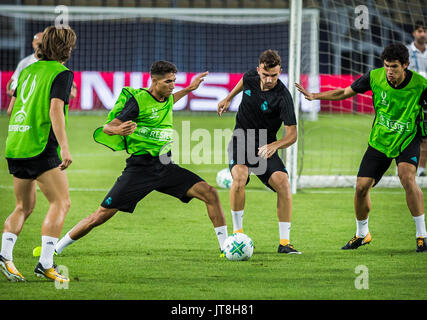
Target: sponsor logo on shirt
x,y
18,128
393,125
156,133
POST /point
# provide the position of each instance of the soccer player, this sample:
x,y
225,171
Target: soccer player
x,y
36,127
418,62
13,81
265,105
399,96
141,123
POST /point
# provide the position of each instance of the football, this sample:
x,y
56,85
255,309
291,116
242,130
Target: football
x,y
238,247
224,178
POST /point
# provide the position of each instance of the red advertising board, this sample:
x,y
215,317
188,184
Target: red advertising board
x,y
99,90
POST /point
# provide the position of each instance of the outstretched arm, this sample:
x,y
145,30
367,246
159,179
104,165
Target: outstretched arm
x,y
337,94
225,104
193,86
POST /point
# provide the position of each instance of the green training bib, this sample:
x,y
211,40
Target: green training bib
x,y
30,124
398,113
153,134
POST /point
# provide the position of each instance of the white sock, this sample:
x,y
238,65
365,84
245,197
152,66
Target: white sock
x,y
420,226
46,256
8,241
420,170
284,231
237,217
63,243
221,233
362,228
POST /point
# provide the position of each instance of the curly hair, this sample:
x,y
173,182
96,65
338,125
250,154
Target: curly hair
x,y
56,44
396,51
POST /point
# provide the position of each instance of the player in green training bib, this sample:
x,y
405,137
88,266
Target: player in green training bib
x,y
399,97
141,124
38,113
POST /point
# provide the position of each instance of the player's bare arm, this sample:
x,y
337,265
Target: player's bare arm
x,y
337,94
11,104
118,127
58,126
193,86
266,151
223,105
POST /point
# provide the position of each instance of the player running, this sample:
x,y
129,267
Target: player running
x,y
265,105
36,127
399,96
141,124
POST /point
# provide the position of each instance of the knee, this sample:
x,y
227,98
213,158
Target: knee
x,y
64,206
97,218
67,205
24,210
362,190
407,180
211,195
281,186
284,191
239,182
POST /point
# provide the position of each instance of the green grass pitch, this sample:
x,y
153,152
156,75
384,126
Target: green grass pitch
x,y
168,250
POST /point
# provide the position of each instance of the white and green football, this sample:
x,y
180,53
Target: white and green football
x,y
224,178
238,247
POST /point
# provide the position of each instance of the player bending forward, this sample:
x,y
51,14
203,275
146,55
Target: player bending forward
x,y
399,96
138,119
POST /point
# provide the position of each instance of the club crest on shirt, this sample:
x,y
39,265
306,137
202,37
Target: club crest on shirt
x,y
21,114
248,92
154,114
383,98
264,106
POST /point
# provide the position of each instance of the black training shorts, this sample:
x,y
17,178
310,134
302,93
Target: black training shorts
x,y
262,168
375,163
145,173
32,168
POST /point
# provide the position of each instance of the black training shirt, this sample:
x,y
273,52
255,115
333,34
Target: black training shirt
x,y
264,109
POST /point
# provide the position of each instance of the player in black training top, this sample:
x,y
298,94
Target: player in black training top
x,y
266,104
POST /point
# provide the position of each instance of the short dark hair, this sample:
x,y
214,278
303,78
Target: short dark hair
x,y
396,51
270,59
419,24
161,68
